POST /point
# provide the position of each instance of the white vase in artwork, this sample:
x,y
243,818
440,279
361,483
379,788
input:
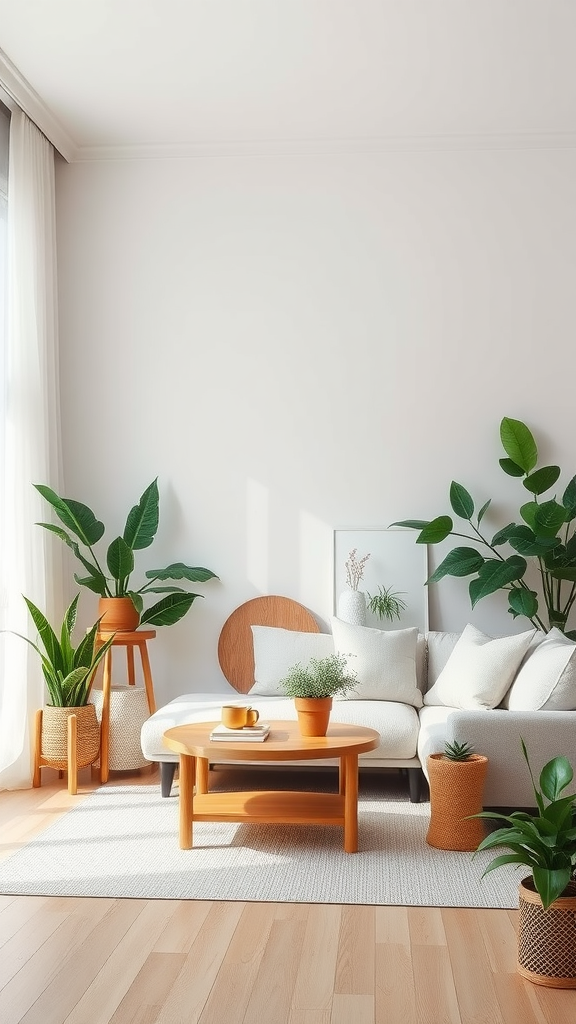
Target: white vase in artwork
x,y
352,607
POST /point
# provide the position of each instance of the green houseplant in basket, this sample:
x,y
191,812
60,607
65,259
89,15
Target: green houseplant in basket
x,y
545,843
313,686
114,581
68,672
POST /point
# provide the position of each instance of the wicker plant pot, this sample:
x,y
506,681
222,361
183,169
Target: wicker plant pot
x,y
313,715
547,938
456,791
54,741
117,615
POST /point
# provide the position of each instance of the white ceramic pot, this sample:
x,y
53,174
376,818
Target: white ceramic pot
x,y
352,607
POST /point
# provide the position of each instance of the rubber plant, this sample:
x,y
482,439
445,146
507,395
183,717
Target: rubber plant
x,y
545,539
84,530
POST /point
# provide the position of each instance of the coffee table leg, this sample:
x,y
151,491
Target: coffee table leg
x,y
349,767
202,775
187,773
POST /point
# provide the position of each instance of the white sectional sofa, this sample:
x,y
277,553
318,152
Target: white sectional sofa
x,y
418,692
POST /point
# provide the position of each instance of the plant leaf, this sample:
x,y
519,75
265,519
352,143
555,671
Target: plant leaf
x,y
550,883
412,524
548,518
461,501
459,562
523,602
555,776
569,500
511,468
525,542
76,516
502,536
542,480
179,571
47,635
169,610
436,531
494,575
483,510
528,513
120,561
518,443
143,518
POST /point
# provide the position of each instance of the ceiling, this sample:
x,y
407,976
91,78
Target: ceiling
x,y
113,77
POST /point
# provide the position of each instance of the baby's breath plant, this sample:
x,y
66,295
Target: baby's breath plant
x,y
322,677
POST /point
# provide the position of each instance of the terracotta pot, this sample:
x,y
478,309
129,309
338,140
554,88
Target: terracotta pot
x,y
547,938
456,790
118,615
54,744
313,715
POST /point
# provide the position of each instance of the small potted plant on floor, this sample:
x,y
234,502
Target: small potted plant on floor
x,y
68,672
456,777
121,601
545,842
313,687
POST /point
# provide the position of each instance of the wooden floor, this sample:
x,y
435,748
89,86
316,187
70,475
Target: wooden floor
x,y
111,961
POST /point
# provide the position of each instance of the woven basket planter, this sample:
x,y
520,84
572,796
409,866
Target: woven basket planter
x,y
456,791
547,938
128,712
313,715
55,735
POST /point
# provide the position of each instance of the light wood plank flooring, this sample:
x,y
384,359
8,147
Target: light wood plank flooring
x,y
109,961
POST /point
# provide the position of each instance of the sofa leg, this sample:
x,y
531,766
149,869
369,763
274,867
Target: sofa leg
x,y
415,784
167,772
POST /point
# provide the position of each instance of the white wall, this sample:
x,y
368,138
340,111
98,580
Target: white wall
x,y
294,344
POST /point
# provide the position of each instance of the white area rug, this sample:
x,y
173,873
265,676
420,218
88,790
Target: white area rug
x,y
122,841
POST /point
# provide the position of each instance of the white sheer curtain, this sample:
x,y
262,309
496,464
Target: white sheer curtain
x,y
29,563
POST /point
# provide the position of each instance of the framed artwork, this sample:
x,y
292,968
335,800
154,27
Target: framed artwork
x,y
396,562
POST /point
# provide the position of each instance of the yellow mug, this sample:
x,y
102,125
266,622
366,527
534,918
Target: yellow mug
x,y
236,717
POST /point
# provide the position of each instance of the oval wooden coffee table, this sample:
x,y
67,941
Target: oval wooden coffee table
x,y
284,743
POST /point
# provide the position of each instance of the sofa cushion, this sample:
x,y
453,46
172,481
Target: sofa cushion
x,y
479,670
439,648
546,679
384,661
277,650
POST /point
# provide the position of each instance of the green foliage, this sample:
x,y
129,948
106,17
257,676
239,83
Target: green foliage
x,y
84,530
457,751
323,677
546,841
67,670
387,603
544,539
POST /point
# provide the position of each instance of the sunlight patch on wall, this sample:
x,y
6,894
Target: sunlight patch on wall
x,y
315,557
257,535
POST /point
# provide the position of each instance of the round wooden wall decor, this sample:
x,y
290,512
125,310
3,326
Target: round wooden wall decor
x,y
235,645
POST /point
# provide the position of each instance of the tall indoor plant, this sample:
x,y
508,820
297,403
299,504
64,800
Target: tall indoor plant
x,y
545,539
114,581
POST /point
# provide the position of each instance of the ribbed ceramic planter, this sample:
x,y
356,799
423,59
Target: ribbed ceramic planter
x,y
456,791
547,938
352,607
313,715
55,735
117,615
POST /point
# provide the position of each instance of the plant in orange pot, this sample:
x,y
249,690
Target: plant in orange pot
x,y
121,602
313,686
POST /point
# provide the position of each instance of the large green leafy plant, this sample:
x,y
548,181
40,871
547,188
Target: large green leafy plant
x,y
546,841
545,539
84,530
68,670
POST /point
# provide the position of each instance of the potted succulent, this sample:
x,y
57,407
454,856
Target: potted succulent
x,y
313,687
545,842
68,672
113,583
456,778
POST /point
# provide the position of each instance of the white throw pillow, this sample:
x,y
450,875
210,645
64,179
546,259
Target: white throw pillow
x,y
546,679
479,671
277,650
384,661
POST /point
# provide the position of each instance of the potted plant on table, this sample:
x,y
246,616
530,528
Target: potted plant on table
x,y
545,842
313,687
68,672
121,602
456,777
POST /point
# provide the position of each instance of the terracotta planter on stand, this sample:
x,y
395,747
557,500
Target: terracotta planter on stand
x,y
118,615
547,938
313,715
456,791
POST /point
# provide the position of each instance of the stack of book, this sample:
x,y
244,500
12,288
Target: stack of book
x,y
250,733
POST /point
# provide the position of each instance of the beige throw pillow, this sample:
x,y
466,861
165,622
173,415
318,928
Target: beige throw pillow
x,y
479,671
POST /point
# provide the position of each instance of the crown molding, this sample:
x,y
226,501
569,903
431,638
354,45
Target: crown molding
x,y
320,147
18,94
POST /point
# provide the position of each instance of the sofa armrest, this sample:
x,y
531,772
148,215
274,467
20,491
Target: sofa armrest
x,y
498,734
